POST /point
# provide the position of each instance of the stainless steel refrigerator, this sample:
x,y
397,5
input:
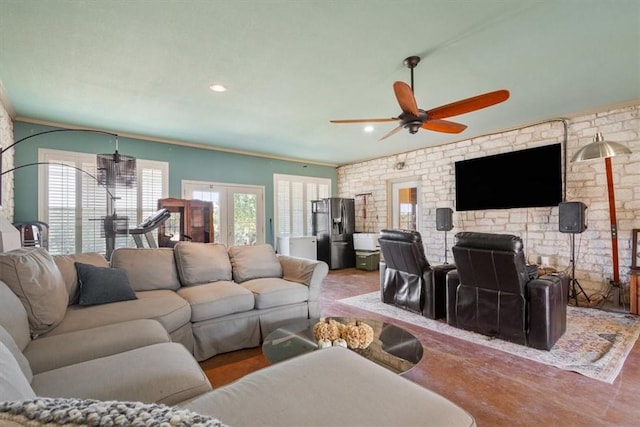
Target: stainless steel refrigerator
x,y
333,224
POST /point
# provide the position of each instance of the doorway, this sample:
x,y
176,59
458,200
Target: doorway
x,y
238,210
405,205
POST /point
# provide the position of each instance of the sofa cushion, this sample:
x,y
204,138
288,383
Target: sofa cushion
x,y
103,285
216,299
51,352
10,344
330,387
66,265
273,292
254,262
13,384
148,268
162,305
34,277
13,317
199,263
162,373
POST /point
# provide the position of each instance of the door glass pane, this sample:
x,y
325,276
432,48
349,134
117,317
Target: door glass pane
x,y
244,219
214,198
238,211
408,208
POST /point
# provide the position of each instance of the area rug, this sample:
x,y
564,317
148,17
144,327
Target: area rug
x,y
595,344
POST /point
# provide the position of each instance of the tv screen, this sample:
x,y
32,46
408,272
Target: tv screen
x,y
520,179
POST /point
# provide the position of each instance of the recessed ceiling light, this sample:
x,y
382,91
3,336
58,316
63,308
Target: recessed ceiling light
x,y
368,128
217,87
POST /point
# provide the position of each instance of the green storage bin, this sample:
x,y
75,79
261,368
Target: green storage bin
x,y
367,260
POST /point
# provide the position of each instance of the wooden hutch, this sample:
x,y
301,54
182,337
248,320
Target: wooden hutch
x,y
190,220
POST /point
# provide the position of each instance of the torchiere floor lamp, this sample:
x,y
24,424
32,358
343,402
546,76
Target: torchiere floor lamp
x,y
601,149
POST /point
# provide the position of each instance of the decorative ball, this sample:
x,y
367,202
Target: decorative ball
x,y
326,329
358,335
340,343
322,343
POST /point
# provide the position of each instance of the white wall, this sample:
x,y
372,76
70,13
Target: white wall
x,y
586,182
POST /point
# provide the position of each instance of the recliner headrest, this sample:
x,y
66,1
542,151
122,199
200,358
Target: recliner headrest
x,y
409,236
491,241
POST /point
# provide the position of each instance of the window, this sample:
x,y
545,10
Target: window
x,y
74,205
292,207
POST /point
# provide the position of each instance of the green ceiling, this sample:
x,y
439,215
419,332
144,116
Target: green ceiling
x,y
143,67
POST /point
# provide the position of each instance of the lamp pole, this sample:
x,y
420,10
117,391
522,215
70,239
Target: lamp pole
x,y
614,228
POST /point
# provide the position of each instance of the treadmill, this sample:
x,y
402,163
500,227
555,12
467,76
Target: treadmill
x,y
145,228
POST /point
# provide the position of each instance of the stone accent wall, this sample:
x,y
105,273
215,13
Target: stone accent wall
x,y
6,139
586,182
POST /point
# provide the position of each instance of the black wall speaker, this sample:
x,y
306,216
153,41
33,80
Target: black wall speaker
x,y
571,217
444,219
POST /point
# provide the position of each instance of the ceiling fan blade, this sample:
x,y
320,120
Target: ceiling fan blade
x,y
392,132
468,105
405,98
444,126
392,119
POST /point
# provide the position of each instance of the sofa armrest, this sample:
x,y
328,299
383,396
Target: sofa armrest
x,y
308,272
452,289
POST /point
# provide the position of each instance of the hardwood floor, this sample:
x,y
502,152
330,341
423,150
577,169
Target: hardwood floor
x,y
498,389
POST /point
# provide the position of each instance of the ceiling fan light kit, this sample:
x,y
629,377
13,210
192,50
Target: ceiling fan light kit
x,y
413,118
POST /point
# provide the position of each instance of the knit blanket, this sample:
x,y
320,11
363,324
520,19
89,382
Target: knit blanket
x,y
56,412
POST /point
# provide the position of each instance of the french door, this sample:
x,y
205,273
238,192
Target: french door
x,y
238,210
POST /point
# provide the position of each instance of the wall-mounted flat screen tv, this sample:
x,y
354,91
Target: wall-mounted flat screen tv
x,y
519,179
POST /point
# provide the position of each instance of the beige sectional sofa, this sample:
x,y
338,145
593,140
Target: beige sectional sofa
x,y
129,360
203,296
210,299
62,350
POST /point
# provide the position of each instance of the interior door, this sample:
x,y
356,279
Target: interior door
x,y
405,205
238,211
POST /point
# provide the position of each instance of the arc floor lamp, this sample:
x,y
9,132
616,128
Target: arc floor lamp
x,y
112,169
601,149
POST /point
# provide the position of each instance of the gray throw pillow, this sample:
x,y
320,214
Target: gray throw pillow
x,y
102,285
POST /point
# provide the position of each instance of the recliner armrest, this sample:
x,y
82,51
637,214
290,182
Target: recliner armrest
x,y
452,288
547,301
381,273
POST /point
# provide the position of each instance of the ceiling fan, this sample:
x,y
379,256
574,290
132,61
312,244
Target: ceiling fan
x,y
414,118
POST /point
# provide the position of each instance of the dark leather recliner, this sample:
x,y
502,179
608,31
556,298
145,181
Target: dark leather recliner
x,y
406,278
494,292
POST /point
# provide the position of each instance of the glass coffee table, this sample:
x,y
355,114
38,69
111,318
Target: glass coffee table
x,y
392,347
